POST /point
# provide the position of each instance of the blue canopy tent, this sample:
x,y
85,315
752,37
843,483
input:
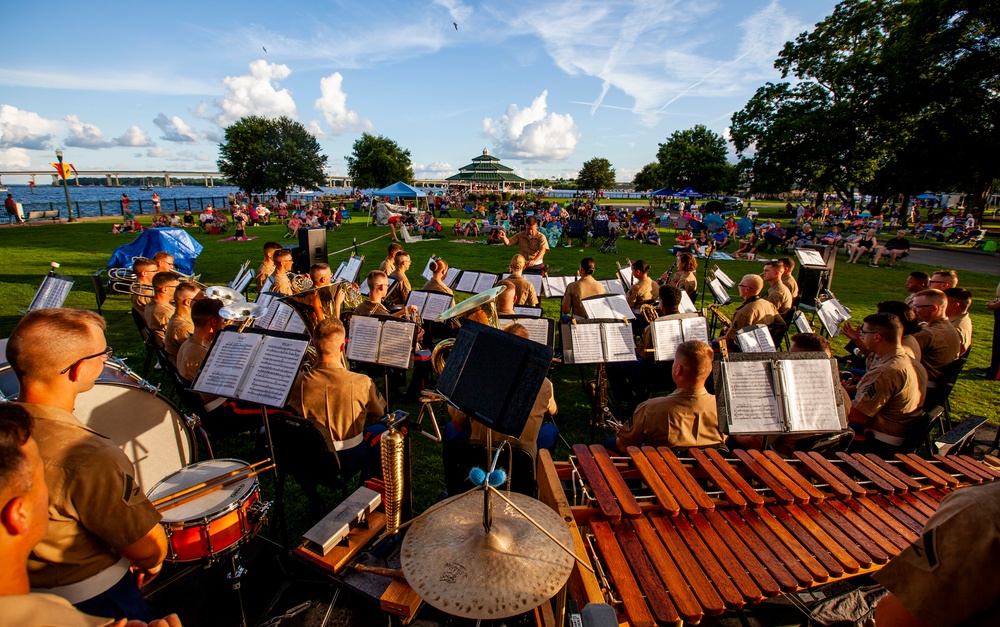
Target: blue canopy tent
x,y
177,242
690,192
927,196
666,191
401,190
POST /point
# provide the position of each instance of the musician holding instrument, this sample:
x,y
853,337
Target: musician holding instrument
x,y
530,243
778,294
439,271
104,541
643,290
754,310
320,274
161,308
164,262
378,285
282,267
267,266
584,287
180,326
506,299
684,276
939,341
525,294
144,270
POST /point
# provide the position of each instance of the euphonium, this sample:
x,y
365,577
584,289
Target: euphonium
x,y
649,311
319,303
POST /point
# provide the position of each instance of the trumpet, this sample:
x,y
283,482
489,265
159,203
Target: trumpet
x,y
649,312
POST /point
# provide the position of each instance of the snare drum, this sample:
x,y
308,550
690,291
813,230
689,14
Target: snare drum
x,y
126,409
216,522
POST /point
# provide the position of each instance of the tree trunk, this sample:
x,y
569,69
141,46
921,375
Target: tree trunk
x,y
984,186
904,211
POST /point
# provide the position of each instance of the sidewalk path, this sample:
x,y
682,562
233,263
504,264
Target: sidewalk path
x,y
956,260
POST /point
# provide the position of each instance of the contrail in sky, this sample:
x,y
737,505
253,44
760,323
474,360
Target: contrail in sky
x,y
706,77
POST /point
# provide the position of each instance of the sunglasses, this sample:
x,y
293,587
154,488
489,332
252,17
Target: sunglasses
x,y
106,353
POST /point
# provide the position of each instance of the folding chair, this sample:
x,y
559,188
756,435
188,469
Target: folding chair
x,y
610,245
345,215
99,293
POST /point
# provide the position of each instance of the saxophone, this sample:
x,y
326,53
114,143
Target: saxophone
x,y
718,315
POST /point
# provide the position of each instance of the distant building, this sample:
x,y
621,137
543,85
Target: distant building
x,y
487,173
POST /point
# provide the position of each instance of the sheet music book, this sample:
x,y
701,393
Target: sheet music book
x,y
755,339
595,341
475,282
279,316
832,314
428,274
625,274
801,322
612,306
534,279
430,304
528,312
555,286
687,305
541,330
719,292
365,290
669,333
256,366
612,286
452,276
724,279
243,277
382,340
810,258
52,292
790,392
349,269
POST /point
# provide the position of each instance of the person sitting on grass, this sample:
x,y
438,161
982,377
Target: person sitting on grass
x,y
652,235
632,232
458,229
720,239
748,247
471,228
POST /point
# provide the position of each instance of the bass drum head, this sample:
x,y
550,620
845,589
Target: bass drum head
x,y
207,506
148,428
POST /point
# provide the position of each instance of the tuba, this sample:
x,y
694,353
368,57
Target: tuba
x,y
480,308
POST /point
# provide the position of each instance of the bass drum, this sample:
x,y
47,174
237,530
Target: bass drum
x,y
126,409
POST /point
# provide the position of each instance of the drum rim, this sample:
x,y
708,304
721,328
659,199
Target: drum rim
x,y
209,517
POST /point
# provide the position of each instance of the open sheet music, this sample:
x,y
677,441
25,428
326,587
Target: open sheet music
x,y
541,330
279,316
267,285
687,305
349,270
612,306
832,314
595,341
382,340
430,304
256,366
428,274
612,286
555,286
810,258
755,339
724,279
625,275
525,311
668,333
534,279
243,278
475,282
719,292
801,322
52,292
787,392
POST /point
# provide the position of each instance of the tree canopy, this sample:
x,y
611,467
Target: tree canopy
x,y
378,161
270,154
648,178
596,174
695,157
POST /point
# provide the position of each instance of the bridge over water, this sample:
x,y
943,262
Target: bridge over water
x,y
111,177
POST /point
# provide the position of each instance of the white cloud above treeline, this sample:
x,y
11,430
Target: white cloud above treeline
x,y
533,133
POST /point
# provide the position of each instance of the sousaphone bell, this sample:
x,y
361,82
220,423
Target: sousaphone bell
x,y
227,295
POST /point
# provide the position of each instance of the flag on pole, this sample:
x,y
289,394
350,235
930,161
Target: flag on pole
x,y
65,170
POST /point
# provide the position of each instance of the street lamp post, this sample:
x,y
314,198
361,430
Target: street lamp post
x,y
62,173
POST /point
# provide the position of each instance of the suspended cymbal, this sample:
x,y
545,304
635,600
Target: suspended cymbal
x,y
455,566
471,303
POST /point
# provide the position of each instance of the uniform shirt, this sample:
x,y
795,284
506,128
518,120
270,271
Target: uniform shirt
x,y
179,329
157,316
96,507
266,269
387,266
686,417
963,324
531,247
524,291
754,310
577,291
139,302
686,281
336,398
31,610
939,346
780,297
791,284
282,284
401,293
368,308
190,355
943,578
643,291
892,393
437,286
545,403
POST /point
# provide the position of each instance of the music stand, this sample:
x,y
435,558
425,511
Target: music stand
x,y
52,292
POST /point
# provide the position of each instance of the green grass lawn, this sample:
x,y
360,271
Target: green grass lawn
x,y
84,247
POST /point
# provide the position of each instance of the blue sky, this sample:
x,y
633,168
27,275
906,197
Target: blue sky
x,y
543,84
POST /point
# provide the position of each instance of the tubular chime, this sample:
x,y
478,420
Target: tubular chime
x,y
677,539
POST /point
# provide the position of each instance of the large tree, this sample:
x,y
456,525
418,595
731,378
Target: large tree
x,y
596,174
270,154
377,161
648,178
696,157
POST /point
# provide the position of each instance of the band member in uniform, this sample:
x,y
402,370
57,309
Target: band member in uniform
x,y
164,262
584,287
687,417
267,266
341,401
401,294
942,280
160,309
180,327
207,324
24,521
144,270
754,310
282,266
890,397
389,263
506,299
104,539
320,274
789,268
530,243
439,270
526,294
959,301
685,277
378,285
938,340
644,290
778,295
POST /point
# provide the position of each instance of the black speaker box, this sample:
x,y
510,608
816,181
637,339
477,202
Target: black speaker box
x,y
312,248
814,280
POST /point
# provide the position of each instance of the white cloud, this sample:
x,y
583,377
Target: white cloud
x,y
14,158
435,170
175,129
255,93
133,137
532,133
158,152
83,135
316,130
26,129
458,11
333,104
106,80
191,155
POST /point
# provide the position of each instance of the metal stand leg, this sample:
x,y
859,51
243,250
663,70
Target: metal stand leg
x,y
234,576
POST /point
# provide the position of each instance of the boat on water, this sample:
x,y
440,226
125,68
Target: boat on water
x,y
145,187
4,188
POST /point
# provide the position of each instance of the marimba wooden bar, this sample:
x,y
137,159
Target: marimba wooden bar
x,y
675,539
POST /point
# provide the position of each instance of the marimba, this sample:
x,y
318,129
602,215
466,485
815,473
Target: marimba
x,y
675,539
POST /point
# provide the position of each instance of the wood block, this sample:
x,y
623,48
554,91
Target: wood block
x,y
400,599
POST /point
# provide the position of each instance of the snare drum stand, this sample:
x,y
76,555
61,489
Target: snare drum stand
x,y
234,575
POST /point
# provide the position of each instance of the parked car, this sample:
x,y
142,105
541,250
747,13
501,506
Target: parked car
x,y
732,203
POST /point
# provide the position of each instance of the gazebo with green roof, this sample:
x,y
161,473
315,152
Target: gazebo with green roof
x,y
486,172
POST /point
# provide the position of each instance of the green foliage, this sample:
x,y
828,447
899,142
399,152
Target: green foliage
x,y
648,178
596,174
377,161
696,157
270,154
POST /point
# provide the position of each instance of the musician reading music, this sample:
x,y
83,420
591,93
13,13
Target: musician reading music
x,y
754,309
161,309
388,264
439,270
267,266
644,290
282,266
506,299
104,540
939,341
530,243
341,401
787,277
320,274
401,294
778,294
180,326
684,276
524,291
584,287
144,270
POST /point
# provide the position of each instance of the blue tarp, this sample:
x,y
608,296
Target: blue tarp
x,y
927,196
399,189
666,191
177,242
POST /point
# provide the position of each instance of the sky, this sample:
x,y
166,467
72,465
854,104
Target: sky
x,y
545,85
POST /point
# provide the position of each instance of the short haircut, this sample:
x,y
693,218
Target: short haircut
x,y
920,276
281,254
813,342
316,267
904,312
670,297
518,261
43,339
517,329
372,276
270,247
885,324
142,264
788,262
205,311
950,277
696,355
400,256
640,266
959,295
936,297
757,281
186,290
774,263
162,279
394,248
326,333
162,256
15,429
531,221
587,266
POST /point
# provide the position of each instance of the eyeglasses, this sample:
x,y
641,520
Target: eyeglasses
x,y
863,332
922,306
106,354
